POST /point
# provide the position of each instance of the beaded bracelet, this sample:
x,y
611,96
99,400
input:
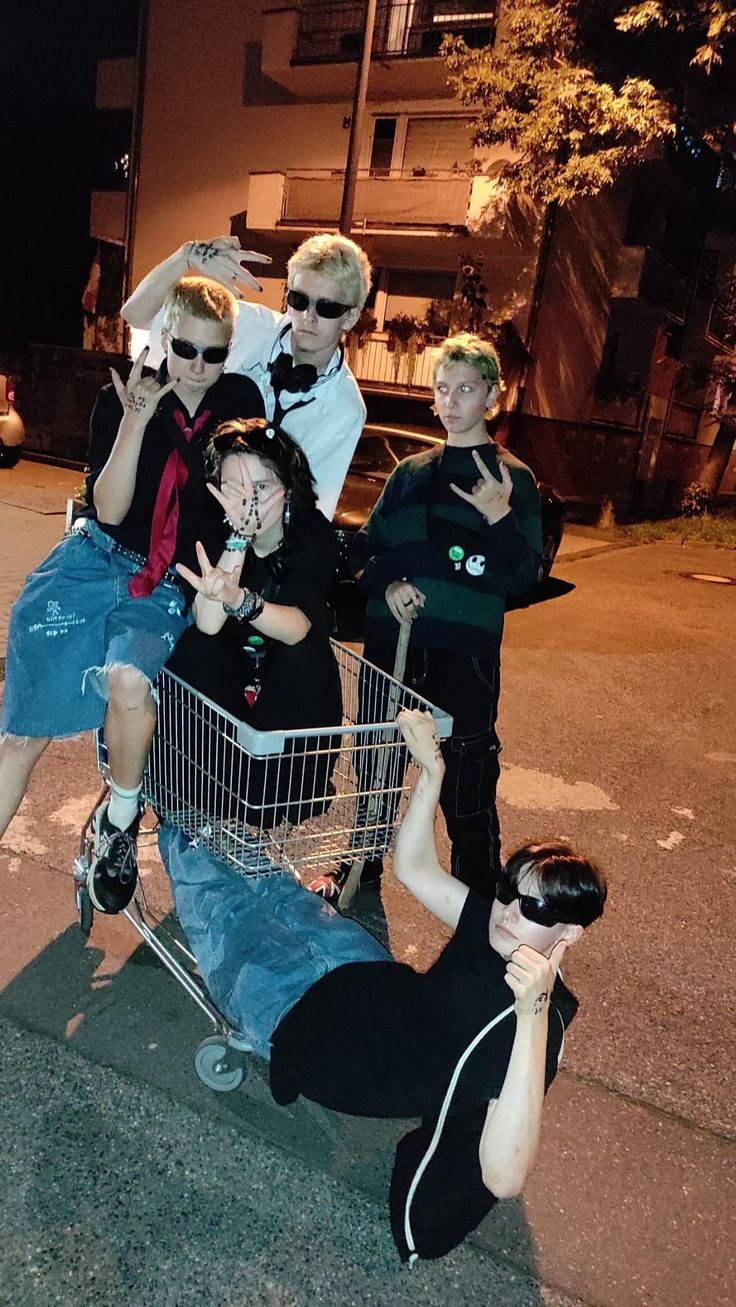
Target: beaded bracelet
x,y
251,605
236,543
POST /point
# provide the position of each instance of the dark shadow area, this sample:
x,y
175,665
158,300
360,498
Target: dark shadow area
x,y
139,1022
553,588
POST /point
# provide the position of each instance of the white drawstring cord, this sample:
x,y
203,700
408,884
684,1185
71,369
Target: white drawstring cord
x,y
413,1254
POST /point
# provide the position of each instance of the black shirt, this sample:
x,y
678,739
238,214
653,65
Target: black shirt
x,y
299,574
231,396
380,1039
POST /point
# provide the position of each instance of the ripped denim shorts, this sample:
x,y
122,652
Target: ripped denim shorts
x,y
72,620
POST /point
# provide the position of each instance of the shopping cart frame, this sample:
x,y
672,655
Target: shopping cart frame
x,y
352,821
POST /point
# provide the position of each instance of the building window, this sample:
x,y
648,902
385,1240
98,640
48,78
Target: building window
x,y
382,149
437,145
411,292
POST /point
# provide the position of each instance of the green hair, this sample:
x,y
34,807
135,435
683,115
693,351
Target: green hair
x,y
467,348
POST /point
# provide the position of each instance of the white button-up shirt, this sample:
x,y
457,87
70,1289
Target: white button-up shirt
x,y
327,427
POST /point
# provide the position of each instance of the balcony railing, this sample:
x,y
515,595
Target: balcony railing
x,y
406,200
377,365
332,32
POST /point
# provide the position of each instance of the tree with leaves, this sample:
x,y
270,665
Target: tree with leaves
x,y
582,90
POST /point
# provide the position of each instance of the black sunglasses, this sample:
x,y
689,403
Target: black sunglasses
x,y
537,910
296,299
210,354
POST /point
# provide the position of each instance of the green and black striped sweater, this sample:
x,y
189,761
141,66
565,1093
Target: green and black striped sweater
x,y
422,531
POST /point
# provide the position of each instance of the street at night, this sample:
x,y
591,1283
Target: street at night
x,y
126,1181
409,327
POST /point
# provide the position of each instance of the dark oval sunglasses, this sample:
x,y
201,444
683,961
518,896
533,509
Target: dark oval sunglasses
x,y
537,910
296,299
210,354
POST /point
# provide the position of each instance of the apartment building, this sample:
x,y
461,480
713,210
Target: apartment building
x,y
245,126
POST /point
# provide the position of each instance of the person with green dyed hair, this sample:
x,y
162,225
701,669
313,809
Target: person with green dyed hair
x,y
456,531
467,348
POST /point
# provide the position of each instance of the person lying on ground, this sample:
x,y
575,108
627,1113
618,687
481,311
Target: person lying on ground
x,y
96,621
470,1046
295,358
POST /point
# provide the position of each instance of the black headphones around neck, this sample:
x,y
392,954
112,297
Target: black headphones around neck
x,y
294,377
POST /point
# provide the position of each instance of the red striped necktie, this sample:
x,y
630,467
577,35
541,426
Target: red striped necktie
x,y
165,521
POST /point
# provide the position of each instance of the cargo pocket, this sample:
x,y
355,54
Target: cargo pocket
x,y
476,766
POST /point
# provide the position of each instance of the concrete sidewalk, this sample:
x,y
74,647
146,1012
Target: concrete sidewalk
x,y
32,515
628,1205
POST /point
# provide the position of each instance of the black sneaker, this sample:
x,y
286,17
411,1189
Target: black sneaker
x,y
113,872
372,873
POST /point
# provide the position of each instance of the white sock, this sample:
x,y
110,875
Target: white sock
x,y
123,806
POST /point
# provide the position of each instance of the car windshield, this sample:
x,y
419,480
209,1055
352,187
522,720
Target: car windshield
x,y
378,454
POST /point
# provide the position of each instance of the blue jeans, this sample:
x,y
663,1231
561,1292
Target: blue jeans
x,y
72,620
260,941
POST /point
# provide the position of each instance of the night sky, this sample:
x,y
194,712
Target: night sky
x,y
48,51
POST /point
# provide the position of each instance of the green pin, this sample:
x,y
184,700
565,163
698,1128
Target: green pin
x,y
255,641
457,553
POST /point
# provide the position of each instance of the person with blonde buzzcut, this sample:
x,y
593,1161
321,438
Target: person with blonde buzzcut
x,y
295,358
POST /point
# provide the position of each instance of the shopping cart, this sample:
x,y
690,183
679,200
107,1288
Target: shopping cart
x,y
300,803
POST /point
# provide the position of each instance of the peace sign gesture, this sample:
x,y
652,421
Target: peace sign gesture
x,y
489,496
140,395
214,583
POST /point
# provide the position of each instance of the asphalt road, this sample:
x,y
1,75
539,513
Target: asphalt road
x,y
126,1182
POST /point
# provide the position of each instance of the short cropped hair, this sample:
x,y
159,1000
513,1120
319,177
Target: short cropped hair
x,y
202,298
573,885
274,447
338,257
467,348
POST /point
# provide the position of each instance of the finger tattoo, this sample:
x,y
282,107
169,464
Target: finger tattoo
x,y
203,251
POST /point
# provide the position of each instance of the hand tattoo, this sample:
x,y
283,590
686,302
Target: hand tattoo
x,y
134,403
203,251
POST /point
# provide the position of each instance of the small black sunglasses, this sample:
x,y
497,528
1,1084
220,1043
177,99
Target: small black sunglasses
x,y
537,910
296,299
210,354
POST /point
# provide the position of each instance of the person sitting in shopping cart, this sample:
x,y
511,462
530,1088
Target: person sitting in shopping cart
x,y
97,619
470,1046
260,645
455,532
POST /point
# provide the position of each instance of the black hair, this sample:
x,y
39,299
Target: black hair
x,y
573,885
270,443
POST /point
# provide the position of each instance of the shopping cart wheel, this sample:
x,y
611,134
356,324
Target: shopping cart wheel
x,y
218,1065
85,910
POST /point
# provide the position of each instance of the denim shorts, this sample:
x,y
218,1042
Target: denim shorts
x,y
260,941
72,620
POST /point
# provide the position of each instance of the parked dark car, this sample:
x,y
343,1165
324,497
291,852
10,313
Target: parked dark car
x,y
379,450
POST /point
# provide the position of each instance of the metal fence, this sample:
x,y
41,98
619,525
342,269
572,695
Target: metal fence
x,y
410,28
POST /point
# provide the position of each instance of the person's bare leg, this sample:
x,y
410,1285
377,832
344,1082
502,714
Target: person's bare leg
x,y
18,757
130,721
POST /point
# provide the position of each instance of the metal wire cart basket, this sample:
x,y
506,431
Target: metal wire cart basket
x,y
299,803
